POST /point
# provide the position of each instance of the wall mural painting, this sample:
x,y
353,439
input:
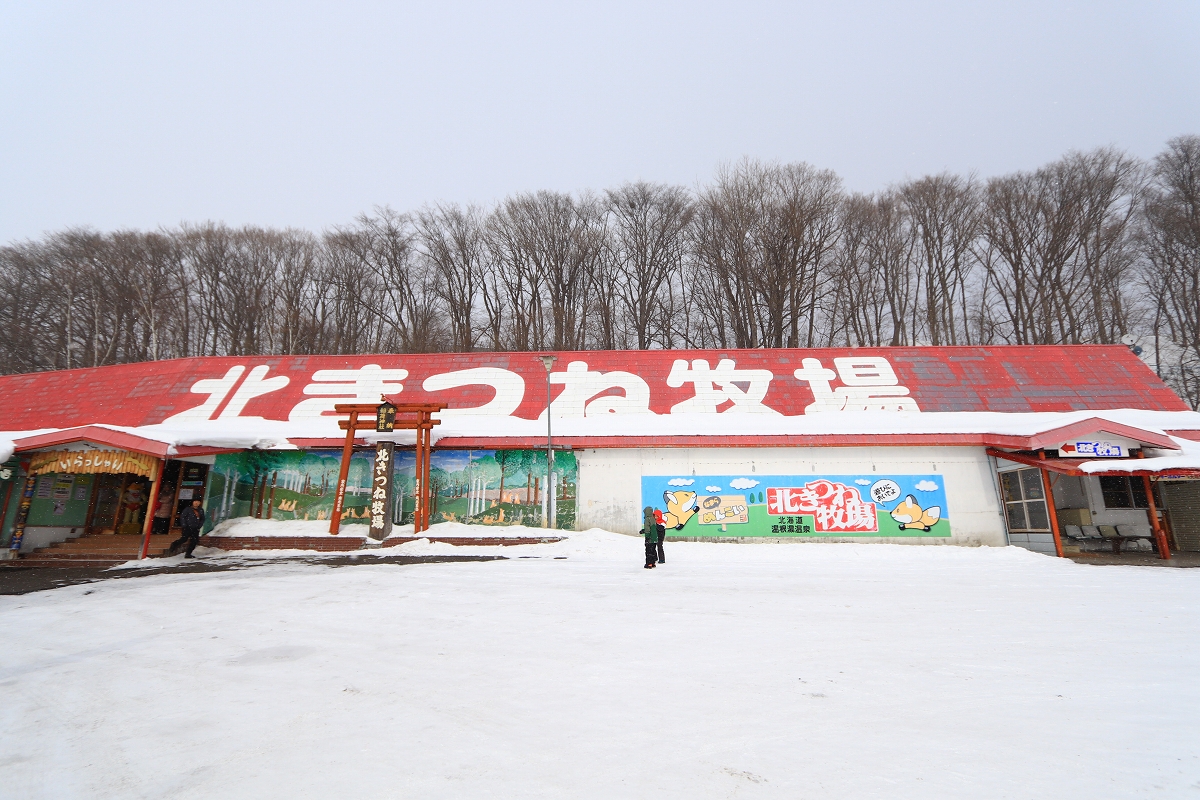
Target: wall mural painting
x,y
481,487
501,487
799,505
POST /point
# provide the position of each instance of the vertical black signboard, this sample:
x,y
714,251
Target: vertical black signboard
x,y
381,491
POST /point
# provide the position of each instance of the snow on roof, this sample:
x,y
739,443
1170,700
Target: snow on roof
x,y
1186,458
830,424
763,429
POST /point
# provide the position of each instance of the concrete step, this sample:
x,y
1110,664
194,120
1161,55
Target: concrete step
x,y
93,550
124,555
98,541
102,548
61,563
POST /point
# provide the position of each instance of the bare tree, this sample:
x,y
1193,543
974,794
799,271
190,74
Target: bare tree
x,y
1170,238
1055,246
877,287
542,249
944,211
761,243
649,224
452,239
393,287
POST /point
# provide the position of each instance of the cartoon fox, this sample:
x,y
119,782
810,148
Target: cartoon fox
x,y
912,517
680,508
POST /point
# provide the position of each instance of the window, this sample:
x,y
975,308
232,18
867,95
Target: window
x,y
1024,500
1123,491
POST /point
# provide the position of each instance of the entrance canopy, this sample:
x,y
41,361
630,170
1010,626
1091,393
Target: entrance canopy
x,y
1156,467
1101,447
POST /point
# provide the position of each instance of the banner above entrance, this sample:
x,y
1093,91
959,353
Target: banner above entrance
x,y
87,462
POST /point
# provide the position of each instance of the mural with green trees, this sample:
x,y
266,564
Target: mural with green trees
x,y
481,487
502,487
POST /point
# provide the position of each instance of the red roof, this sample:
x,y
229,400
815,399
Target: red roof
x,y
1003,378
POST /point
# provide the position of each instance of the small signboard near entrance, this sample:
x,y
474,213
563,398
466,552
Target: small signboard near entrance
x,y
1101,446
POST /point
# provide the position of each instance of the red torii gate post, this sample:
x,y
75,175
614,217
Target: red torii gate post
x,y
421,421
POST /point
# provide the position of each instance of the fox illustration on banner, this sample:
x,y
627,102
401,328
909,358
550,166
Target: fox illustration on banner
x,y
799,505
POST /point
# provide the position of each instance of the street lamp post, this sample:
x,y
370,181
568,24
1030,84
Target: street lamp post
x,y
548,363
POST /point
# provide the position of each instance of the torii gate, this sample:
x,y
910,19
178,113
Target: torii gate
x,y
384,417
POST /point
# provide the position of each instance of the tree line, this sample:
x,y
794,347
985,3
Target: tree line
x,y
1092,248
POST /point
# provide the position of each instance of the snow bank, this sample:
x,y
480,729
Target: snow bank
x,y
466,531
249,526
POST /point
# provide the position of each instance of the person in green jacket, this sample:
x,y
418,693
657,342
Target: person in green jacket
x,y
653,533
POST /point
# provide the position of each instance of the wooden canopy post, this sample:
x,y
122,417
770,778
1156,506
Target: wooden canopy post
x,y
151,507
1050,509
1160,536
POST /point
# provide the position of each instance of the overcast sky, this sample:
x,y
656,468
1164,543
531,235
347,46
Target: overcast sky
x,y
140,115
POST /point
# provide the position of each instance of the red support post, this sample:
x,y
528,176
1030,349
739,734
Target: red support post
x,y
151,506
1052,511
1160,536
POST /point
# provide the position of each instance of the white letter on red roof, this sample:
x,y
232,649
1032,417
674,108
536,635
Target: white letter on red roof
x,y
717,386
869,385
509,386
216,389
581,384
255,385
365,385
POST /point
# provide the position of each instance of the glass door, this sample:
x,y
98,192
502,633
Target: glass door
x,y
1025,501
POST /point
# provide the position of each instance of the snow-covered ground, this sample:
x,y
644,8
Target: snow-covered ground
x,y
735,670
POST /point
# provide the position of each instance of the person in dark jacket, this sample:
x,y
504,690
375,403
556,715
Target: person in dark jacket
x,y
191,519
653,534
662,536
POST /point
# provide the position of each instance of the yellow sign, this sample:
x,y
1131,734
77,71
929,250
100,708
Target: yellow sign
x,y
87,462
723,509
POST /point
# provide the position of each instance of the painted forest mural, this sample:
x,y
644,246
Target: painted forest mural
x,y
482,487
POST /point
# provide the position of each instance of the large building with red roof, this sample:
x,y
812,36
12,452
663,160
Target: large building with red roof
x,y
948,445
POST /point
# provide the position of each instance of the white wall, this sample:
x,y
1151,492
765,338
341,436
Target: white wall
x,y
610,482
